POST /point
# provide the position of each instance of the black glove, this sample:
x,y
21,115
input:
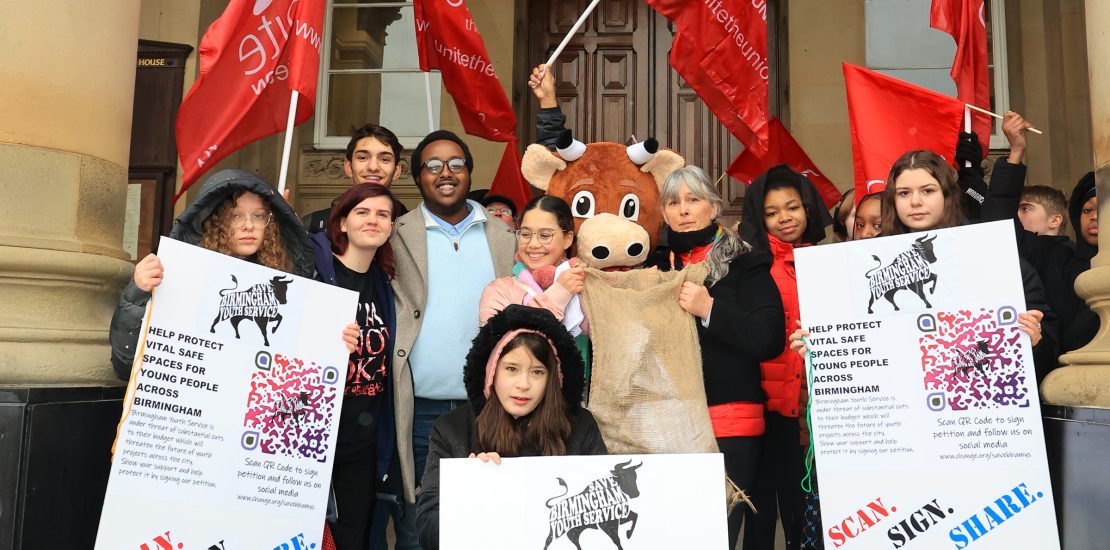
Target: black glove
x,y
968,149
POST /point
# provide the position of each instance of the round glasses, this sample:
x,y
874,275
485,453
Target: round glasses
x,y
258,218
544,237
435,166
500,212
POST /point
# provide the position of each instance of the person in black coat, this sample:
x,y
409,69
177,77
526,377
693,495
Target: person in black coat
x,y
524,380
236,213
739,318
1056,260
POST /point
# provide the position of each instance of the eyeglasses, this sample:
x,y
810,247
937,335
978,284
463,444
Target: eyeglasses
x,y
257,218
435,166
500,211
544,237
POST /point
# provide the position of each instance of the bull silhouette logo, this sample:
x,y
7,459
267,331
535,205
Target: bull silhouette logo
x,y
260,303
603,504
910,270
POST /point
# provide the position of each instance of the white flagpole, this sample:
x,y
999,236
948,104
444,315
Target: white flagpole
x,y
428,97
574,29
288,142
967,128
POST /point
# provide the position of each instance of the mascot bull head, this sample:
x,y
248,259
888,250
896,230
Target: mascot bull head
x,y
612,190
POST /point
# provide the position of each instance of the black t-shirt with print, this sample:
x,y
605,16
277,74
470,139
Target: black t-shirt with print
x,y
367,368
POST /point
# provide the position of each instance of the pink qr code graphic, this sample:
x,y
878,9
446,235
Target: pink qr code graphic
x,y
973,358
289,409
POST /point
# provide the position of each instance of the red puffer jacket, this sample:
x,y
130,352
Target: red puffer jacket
x,y
782,376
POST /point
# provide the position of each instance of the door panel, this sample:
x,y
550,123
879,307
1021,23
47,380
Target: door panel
x,y
614,81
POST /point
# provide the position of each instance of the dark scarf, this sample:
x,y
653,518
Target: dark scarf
x,y
686,241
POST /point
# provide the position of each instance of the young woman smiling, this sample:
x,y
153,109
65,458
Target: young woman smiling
x,y
353,253
524,382
546,234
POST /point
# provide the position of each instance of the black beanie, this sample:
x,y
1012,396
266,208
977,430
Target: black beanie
x,y
438,135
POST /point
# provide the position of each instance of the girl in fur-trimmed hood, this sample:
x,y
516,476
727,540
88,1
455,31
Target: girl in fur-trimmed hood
x,y
524,382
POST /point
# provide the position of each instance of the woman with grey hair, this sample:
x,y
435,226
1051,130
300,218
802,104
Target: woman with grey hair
x,y
739,318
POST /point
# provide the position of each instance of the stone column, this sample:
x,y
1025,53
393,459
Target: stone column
x,y
1084,380
68,81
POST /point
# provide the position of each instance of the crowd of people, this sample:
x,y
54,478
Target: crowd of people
x,y
461,346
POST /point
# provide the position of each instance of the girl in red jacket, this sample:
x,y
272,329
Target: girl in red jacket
x,y
782,211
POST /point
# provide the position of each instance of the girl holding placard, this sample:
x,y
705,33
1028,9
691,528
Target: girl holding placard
x,y
236,213
922,194
524,380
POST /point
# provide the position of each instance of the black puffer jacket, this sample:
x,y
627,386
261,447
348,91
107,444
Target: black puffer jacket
x,y
188,228
454,436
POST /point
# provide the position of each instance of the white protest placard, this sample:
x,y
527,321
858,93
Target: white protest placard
x,y
230,418
549,503
925,413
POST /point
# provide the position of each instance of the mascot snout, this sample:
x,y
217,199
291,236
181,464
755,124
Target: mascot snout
x,y
606,241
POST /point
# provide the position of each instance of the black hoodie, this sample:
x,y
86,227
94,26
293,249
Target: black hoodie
x,y
1079,195
752,228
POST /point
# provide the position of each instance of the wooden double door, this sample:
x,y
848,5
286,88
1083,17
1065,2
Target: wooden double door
x,y
614,81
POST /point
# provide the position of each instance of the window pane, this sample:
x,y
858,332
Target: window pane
x,y
394,100
373,38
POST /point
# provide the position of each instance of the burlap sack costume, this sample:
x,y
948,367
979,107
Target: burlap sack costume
x,y
646,387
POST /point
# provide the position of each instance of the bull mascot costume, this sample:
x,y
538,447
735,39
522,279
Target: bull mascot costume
x,y
646,389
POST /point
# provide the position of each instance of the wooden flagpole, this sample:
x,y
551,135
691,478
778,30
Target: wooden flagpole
x,y
998,116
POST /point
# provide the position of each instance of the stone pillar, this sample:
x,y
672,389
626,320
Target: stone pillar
x,y
1084,380
65,103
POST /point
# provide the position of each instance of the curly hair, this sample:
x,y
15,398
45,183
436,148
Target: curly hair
x,y
218,234
936,167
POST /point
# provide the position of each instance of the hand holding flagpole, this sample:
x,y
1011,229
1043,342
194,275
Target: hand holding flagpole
x,y
566,39
998,116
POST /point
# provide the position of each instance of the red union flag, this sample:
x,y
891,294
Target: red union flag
x,y
783,150
251,59
447,39
888,117
966,21
720,50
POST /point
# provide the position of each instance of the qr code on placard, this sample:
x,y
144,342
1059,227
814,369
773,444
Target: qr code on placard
x,y
972,359
290,408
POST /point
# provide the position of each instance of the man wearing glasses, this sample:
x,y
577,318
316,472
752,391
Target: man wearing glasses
x,y
501,207
446,251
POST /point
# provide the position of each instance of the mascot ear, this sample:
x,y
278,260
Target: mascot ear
x,y
539,165
662,164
